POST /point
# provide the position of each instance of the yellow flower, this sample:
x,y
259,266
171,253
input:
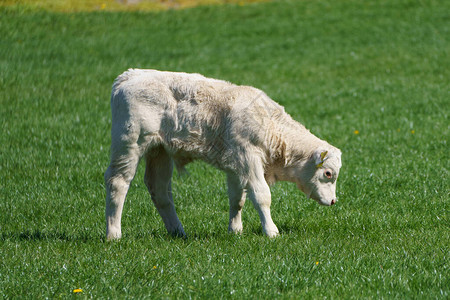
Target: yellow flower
x,y
356,132
154,267
413,131
317,263
103,6
77,291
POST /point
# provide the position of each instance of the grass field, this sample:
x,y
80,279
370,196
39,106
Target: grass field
x,y
113,5
370,77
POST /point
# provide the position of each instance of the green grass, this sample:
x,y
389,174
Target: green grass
x,y
379,67
113,5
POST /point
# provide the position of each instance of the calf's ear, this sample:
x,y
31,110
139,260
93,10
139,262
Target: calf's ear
x,y
319,157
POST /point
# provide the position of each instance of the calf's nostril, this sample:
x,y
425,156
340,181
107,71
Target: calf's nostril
x,y
333,202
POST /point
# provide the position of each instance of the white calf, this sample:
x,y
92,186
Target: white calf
x,y
171,118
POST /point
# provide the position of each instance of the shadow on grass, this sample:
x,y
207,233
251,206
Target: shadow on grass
x,y
192,235
38,235
251,230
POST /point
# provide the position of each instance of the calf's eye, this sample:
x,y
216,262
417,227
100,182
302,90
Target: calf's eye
x,y
328,174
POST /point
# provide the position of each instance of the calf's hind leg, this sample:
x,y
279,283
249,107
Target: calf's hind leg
x,y
118,177
158,177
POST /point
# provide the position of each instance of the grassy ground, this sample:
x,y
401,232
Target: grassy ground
x,y
114,5
371,77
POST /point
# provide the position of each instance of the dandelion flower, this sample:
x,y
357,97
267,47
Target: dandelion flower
x,y
317,263
413,131
154,267
77,291
356,132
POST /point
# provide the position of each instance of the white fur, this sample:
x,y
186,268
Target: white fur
x,y
171,118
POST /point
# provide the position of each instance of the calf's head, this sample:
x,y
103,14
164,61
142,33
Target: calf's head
x,y
317,178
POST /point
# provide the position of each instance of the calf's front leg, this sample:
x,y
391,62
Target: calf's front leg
x,y
259,193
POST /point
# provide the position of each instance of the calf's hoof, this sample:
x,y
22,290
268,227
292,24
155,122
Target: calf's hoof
x,y
236,229
272,233
178,233
113,236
